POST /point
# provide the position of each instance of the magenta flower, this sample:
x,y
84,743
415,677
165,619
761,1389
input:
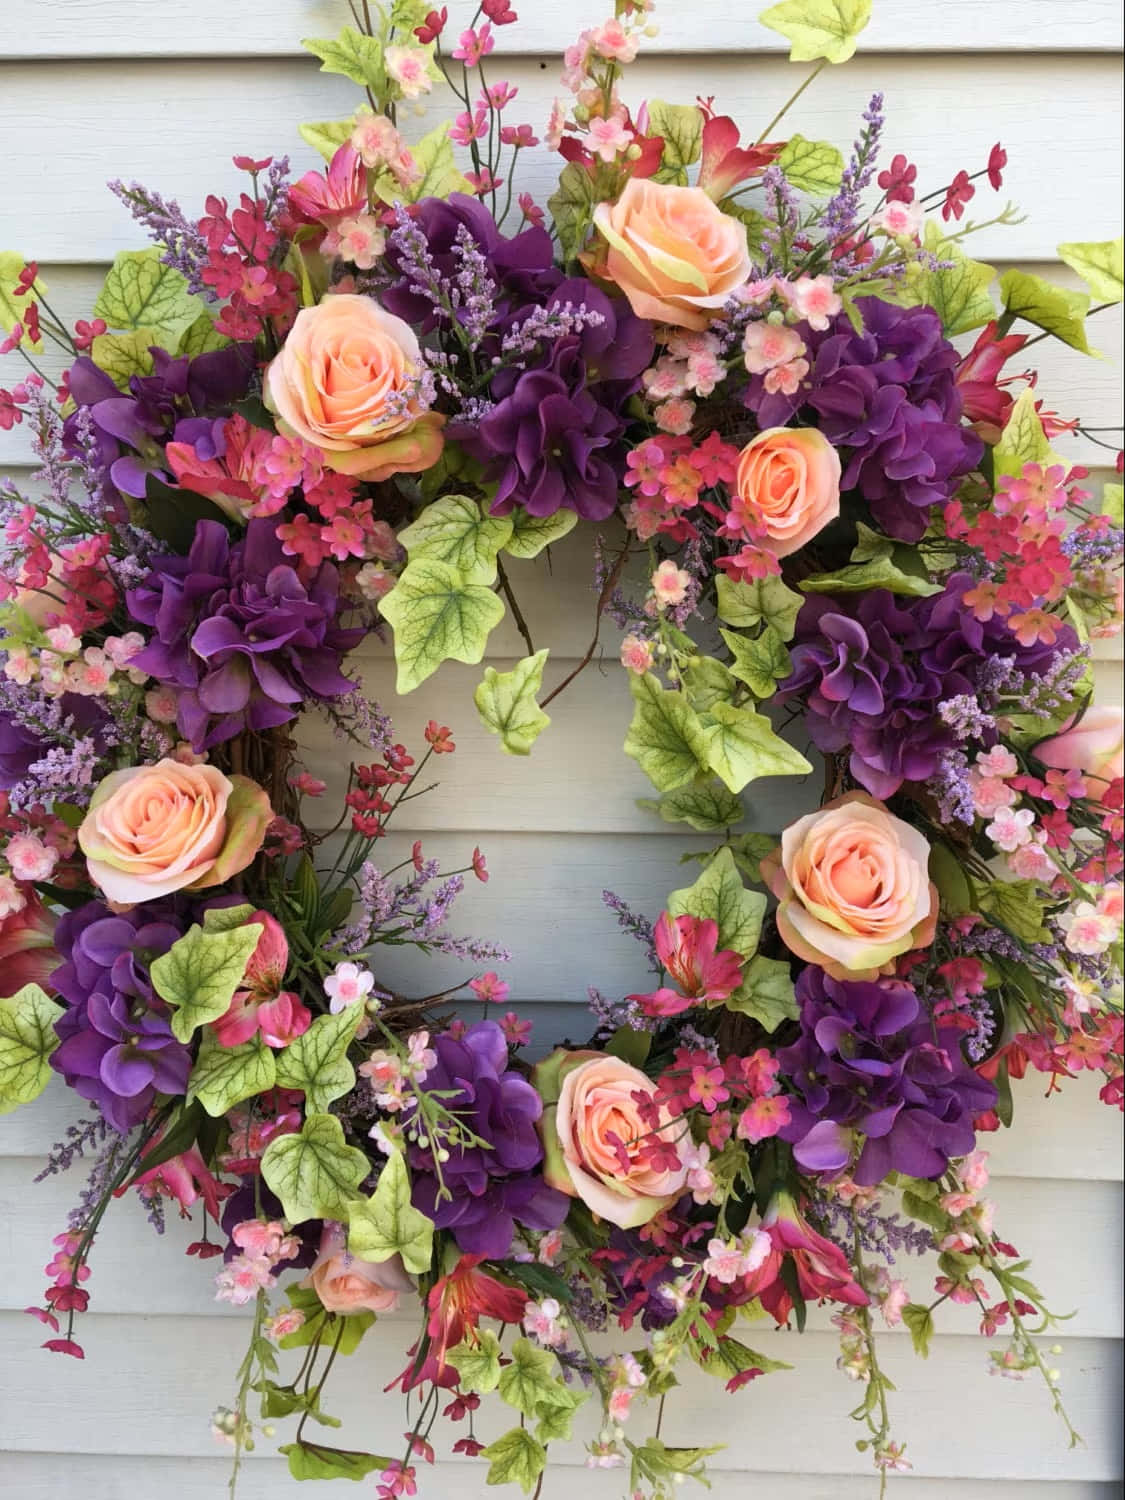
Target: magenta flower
x,y
688,950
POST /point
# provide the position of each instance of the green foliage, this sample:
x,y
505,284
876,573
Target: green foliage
x,y
437,616
440,175
12,309
478,1364
1113,503
813,167
388,1224
201,337
314,1173
656,1463
681,126
530,1381
1055,309
920,1320
1101,265
326,136
741,746
877,563
766,600
223,1076
353,54
317,1062
516,1458
1023,440
556,1418
141,292
506,702
954,886
630,1046
666,737
123,355
27,1039
706,682
530,534
720,896
727,1357
309,1460
759,661
456,530
748,850
571,207
344,1333
200,973
707,806
958,293
766,993
819,28
1016,906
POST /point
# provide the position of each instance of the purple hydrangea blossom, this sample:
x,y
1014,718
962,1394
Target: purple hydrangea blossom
x,y
492,1190
238,633
887,396
869,1060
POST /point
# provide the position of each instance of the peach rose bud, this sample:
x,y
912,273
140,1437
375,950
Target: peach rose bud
x,y
790,478
676,257
1092,746
853,888
152,830
345,1284
345,382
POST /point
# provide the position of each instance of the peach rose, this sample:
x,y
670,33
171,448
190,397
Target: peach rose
x,y
1095,746
791,478
152,830
672,252
345,1284
853,888
343,381
595,1138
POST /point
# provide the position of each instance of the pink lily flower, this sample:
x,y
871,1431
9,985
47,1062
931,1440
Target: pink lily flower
x,y
688,949
724,163
262,1005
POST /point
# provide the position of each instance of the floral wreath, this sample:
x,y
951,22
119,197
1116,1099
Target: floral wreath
x,y
365,401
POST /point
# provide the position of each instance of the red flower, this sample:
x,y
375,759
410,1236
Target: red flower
x,y
822,1268
957,194
724,163
248,164
457,1303
984,399
898,180
26,279
65,1346
499,12
432,27
997,161
440,738
686,946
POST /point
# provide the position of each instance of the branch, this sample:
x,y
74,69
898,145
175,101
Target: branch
x,y
608,587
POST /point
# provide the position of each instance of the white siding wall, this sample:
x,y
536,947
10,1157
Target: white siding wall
x,y
104,88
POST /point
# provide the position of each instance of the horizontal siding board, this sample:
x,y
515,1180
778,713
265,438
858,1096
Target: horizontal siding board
x,y
135,1271
176,1370
47,1476
1040,110
201,28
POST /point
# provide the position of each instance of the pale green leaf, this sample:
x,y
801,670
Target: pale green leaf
x,y
1017,906
719,896
201,337
880,573
530,1380
27,1039
223,1076
728,1357
749,849
665,736
353,54
123,355
200,973
920,1320
819,28
766,599
227,918
707,681
742,745
1056,309
571,207
958,293
813,167
766,993
13,309
516,1458
1023,440
530,534
760,662
141,292
1113,503
507,707
707,806
556,1417
388,1224
309,1460
436,616
1101,265
478,1364
681,126
327,136
317,1062
456,530
314,1173
439,172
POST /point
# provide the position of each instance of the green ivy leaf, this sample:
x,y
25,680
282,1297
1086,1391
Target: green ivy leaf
x,y
327,136
317,1062
1017,906
314,1173
12,308
530,534
681,126
516,1458
707,682
200,973
314,1461
27,1039
227,918
437,616
571,207
665,737
749,849
1113,503
728,1357
123,355
456,530
954,886
141,292
707,806
630,1046
880,573
530,1381
719,896
556,1417
439,173
477,1364
507,707
1101,265
959,293
1023,440
766,599
388,1224
223,1076
1055,309
201,337
742,745
766,993
352,54
819,28
813,167
920,1320
759,661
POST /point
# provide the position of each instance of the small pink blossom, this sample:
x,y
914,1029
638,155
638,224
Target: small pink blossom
x,y
613,42
308,785
893,1302
30,858
675,416
898,218
670,584
553,133
409,67
728,1262
282,1324
815,299
610,137
766,345
359,240
12,898
763,1118
490,987
348,984
473,45
637,654
1088,931
1032,861
1009,829
517,1032
161,705
991,795
785,380
469,127
999,761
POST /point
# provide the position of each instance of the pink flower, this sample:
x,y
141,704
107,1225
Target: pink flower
x,y
1093,745
897,181
729,1261
490,987
790,480
763,1118
480,867
30,858
409,67
27,934
990,795
469,127
1011,828
1089,931
674,416
345,1284
348,984
610,137
613,42
815,299
687,949
767,345
957,195
359,240
670,584
517,1032
999,761
522,136
637,654
899,219
821,1268
473,45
